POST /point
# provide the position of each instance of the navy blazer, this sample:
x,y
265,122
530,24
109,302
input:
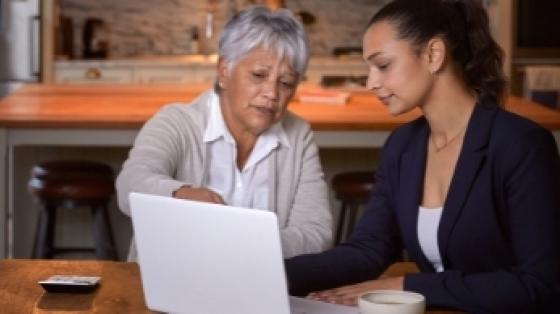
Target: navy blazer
x,y
499,234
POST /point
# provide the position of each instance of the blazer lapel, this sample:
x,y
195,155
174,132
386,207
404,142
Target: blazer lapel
x,y
411,180
470,160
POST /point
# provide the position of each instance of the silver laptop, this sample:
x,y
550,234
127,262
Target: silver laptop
x,y
205,258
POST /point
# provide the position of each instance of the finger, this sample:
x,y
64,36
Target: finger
x,y
217,198
350,301
220,200
342,299
346,297
337,300
313,297
316,296
324,298
342,291
324,294
213,196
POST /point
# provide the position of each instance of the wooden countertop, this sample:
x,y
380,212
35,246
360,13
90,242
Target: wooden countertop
x,y
129,106
120,290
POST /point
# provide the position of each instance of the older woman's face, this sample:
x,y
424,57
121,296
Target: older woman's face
x,y
256,92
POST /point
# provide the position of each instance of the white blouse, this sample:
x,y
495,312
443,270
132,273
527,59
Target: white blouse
x,y
428,223
247,187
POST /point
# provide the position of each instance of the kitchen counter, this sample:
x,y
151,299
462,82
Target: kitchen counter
x,y
110,116
209,60
129,106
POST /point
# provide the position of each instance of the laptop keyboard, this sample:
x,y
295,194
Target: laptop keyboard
x,y
306,306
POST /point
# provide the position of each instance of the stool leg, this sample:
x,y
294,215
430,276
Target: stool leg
x,y
352,213
44,235
341,219
404,256
104,244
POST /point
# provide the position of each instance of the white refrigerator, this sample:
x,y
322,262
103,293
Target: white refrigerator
x,y
19,43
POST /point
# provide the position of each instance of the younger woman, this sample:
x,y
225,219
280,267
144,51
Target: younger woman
x,y
470,190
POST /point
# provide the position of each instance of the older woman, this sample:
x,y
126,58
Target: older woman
x,y
238,144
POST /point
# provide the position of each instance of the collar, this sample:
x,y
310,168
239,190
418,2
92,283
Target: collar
x,y
216,128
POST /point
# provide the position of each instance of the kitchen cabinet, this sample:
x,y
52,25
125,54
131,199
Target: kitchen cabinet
x,y
164,75
184,70
154,70
180,74
94,75
204,73
317,71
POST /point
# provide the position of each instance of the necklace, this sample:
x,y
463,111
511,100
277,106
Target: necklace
x,y
447,143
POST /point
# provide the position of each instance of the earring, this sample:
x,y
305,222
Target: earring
x,y
220,84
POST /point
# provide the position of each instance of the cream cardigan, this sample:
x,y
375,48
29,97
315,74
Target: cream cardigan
x,y
169,152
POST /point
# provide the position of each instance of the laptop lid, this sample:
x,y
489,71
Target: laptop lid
x,y
206,258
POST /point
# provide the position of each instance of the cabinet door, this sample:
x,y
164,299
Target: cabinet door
x,y
315,73
164,75
205,73
93,75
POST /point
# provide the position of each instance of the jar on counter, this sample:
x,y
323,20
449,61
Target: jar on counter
x,y
95,39
195,41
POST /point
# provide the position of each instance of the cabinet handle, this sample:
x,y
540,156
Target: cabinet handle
x,y
93,74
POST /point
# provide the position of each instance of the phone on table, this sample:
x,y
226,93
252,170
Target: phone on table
x,y
70,283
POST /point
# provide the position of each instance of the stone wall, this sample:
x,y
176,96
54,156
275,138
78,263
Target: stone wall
x,y
164,27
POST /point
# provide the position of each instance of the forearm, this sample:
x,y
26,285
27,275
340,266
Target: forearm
x,y
154,159
136,179
341,266
494,292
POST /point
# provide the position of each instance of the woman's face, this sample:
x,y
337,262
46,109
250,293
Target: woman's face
x,y
256,92
398,75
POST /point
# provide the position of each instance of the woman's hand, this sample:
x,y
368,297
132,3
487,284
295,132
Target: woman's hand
x,y
348,295
198,194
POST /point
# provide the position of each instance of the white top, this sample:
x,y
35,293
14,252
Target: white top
x,y
428,223
169,152
249,186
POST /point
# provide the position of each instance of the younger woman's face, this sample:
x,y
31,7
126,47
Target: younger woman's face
x,y
398,74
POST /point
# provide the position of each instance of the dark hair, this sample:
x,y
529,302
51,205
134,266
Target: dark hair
x,y
464,27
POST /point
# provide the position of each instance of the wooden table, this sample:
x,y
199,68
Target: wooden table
x,y
111,115
120,290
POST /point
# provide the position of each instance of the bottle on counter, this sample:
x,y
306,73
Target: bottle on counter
x,y
195,41
95,39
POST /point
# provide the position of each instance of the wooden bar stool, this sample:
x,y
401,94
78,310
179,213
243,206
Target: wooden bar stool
x,y
352,189
71,184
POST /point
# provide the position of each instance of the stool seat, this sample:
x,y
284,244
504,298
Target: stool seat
x,y
355,185
352,189
71,184
71,179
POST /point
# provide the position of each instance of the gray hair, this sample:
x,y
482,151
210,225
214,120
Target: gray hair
x,y
257,26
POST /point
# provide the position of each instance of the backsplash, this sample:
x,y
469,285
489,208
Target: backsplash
x,y
164,27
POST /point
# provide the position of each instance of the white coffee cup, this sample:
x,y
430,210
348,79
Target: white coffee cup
x,y
391,302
